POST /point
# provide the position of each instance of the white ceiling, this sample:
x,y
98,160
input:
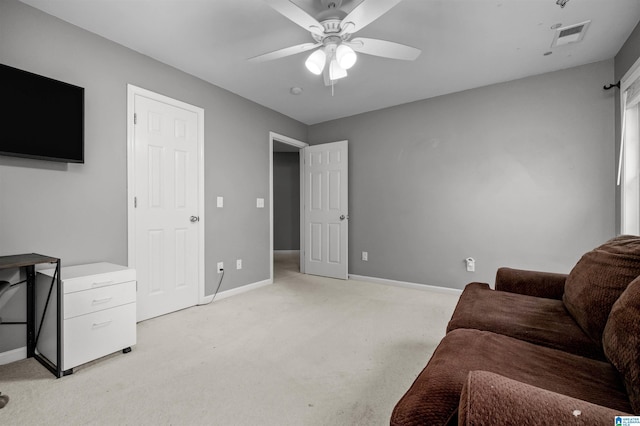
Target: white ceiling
x,y
464,43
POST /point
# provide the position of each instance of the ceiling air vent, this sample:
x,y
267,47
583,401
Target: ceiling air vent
x,y
570,34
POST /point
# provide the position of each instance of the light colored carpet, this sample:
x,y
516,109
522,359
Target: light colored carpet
x,y
303,351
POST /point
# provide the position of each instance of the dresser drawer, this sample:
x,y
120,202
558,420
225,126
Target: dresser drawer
x,y
107,278
98,299
91,336
94,275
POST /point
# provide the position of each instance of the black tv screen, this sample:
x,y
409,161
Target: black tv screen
x,y
40,117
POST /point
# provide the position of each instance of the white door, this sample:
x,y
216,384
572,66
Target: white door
x,y
166,210
326,224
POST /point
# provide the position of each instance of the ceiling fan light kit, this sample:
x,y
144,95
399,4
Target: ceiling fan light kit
x,y
335,51
336,72
340,59
346,56
315,62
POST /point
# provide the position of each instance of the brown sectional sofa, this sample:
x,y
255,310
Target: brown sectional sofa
x,y
541,348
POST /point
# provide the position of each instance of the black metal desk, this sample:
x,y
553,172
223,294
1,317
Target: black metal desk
x,y
28,262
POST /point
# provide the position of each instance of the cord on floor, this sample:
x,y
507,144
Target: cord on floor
x,y
219,284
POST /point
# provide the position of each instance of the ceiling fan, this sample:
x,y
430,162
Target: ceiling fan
x,y
335,50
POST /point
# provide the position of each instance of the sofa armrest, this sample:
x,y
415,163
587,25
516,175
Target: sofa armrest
x,y
491,399
531,283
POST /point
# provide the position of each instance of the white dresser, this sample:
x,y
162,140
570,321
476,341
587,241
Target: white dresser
x,y
99,313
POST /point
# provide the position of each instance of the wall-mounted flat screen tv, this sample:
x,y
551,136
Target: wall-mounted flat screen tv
x,y
40,117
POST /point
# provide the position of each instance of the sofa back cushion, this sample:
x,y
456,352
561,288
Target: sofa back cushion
x,y
621,341
598,279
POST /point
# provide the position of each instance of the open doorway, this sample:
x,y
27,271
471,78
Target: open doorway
x,y
323,210
286,208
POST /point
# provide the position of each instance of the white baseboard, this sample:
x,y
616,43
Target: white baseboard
x,y
405,284
13,355
236,291
286,252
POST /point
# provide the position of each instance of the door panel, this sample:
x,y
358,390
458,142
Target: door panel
x,y
326,209
334,234
166,189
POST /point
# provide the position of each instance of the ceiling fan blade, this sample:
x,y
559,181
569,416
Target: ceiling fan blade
x,y
297,15
383,48
365,13
287,51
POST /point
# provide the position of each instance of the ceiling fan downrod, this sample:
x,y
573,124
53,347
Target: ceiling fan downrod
x,y
331,4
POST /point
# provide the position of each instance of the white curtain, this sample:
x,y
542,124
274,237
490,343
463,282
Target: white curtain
x,y
622,133
630,98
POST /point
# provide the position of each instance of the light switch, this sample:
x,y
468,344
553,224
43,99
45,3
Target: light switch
x,y
220,202
260,203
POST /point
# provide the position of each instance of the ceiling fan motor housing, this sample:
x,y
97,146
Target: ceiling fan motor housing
x,y
331,32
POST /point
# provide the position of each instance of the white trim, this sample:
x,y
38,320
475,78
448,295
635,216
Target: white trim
x,y
13,355
303,242
239,290
630,76
299,144
286,139
404,284
131,92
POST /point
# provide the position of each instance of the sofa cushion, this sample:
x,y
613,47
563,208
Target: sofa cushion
x,y
621,340
533,319
490,399
532,283
598,279
434,396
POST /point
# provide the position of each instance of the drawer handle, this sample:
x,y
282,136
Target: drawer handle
x,y
102,284
101,301
101,324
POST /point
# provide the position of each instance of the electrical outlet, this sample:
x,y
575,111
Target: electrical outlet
x,y
471,264
365,256
220,267
239,264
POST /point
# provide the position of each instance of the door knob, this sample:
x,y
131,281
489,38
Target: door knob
x,y
343,217
194,219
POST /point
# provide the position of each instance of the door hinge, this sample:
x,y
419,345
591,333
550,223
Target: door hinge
x,y
135,202
135,118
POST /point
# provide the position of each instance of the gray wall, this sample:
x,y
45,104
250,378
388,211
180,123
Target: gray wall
x,y
286,201
628,54
79,212
516,174
520,173
626,57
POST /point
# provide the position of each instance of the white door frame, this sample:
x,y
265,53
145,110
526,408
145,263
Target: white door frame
x,y
298,144
131,232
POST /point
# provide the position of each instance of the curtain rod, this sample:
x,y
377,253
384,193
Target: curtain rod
x,y
611,86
